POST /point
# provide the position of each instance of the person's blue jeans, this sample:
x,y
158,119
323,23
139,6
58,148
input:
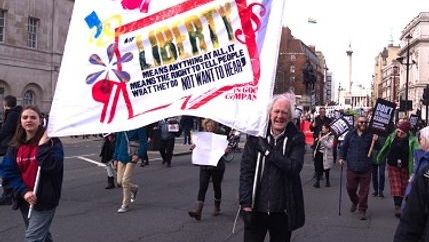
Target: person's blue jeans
x,y
378,177
37,227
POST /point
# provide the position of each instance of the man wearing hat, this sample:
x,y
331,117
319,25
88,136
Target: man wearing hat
x,y
398,152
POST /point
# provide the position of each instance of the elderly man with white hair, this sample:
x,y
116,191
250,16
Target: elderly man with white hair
x,y
271,194
414,221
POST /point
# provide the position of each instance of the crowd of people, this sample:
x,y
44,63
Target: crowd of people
x,y
270,190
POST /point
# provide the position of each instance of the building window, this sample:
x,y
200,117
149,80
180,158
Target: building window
x,y
292,58
2,24
33,25
292,69
28,98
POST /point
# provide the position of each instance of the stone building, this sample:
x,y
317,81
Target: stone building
x,y
386,80
415,36
296,60
32,38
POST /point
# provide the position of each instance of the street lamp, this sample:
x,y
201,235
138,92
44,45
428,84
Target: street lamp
x,y
407,75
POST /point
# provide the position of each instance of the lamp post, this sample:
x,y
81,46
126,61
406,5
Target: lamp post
x,y
407,75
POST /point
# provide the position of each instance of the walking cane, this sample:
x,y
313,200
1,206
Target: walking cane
x,y
36,185
341,190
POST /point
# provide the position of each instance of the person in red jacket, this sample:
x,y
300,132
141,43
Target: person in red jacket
x,y
31,148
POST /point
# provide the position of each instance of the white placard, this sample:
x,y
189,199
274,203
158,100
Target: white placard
x,y
209,148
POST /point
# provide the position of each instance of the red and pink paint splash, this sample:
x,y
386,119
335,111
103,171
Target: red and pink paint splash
x,y
143,5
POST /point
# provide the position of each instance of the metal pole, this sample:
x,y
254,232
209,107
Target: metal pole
x,y
407,75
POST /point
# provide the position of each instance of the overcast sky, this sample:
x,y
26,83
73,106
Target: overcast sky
x,y
368,24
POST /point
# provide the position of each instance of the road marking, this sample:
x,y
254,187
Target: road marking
x,y
90,161
72,157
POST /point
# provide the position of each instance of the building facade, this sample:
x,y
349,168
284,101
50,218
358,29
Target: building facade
x,y
32,38
383,77
415,41
297,65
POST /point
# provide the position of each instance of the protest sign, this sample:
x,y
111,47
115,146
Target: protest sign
x,y
350,119
142,61
339,126
209,148
413,120
382,117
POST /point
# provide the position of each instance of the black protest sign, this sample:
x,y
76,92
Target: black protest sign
x,y
382,117
339,126
350,119
413,120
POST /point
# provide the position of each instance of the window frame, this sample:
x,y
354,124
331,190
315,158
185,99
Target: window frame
x,y
32,29
3,15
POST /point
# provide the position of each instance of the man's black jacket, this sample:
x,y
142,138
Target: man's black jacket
x,y
284,162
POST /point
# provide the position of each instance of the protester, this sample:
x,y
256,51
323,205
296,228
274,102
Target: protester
x,y
106,155
399,150
275,162
129,149
378,169
215,173
354,150
169,129
413,223
31,147
323,159
10,123
316,125
187,123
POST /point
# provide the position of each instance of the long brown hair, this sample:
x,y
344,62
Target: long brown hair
x,y
20,136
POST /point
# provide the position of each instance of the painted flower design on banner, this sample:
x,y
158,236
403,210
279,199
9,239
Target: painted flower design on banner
x,y
143,5
95,59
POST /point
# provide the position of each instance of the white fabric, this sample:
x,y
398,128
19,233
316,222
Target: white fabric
x,y
105,90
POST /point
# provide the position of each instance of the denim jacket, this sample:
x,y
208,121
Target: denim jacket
x,y
355,151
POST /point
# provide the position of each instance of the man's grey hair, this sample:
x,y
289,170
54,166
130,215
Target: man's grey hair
x,y
288,96
424,133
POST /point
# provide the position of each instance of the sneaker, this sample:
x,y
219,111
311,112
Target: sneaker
x,y
123,209
134,194
353,208
374,194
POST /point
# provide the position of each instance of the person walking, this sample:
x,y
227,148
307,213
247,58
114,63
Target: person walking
x,y
187,123
354,150
129,149
378,169
10,123
215,173
168,129
413,223
31,148
398,150
271,196
106,155
323,158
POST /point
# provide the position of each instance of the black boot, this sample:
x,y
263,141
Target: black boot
x,y
317,183
110,182
328,182
196,212
216,211
6,198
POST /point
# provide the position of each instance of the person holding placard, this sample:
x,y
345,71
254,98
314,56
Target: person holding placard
x,y
398,150
215,173
33,154
354,150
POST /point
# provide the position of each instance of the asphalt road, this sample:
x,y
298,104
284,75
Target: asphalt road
x,y
87,211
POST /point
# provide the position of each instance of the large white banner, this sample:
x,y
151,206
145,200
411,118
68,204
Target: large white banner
x,y
130,63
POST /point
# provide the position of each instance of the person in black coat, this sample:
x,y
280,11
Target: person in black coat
x,y
106,154
414,221
271,196
10,122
